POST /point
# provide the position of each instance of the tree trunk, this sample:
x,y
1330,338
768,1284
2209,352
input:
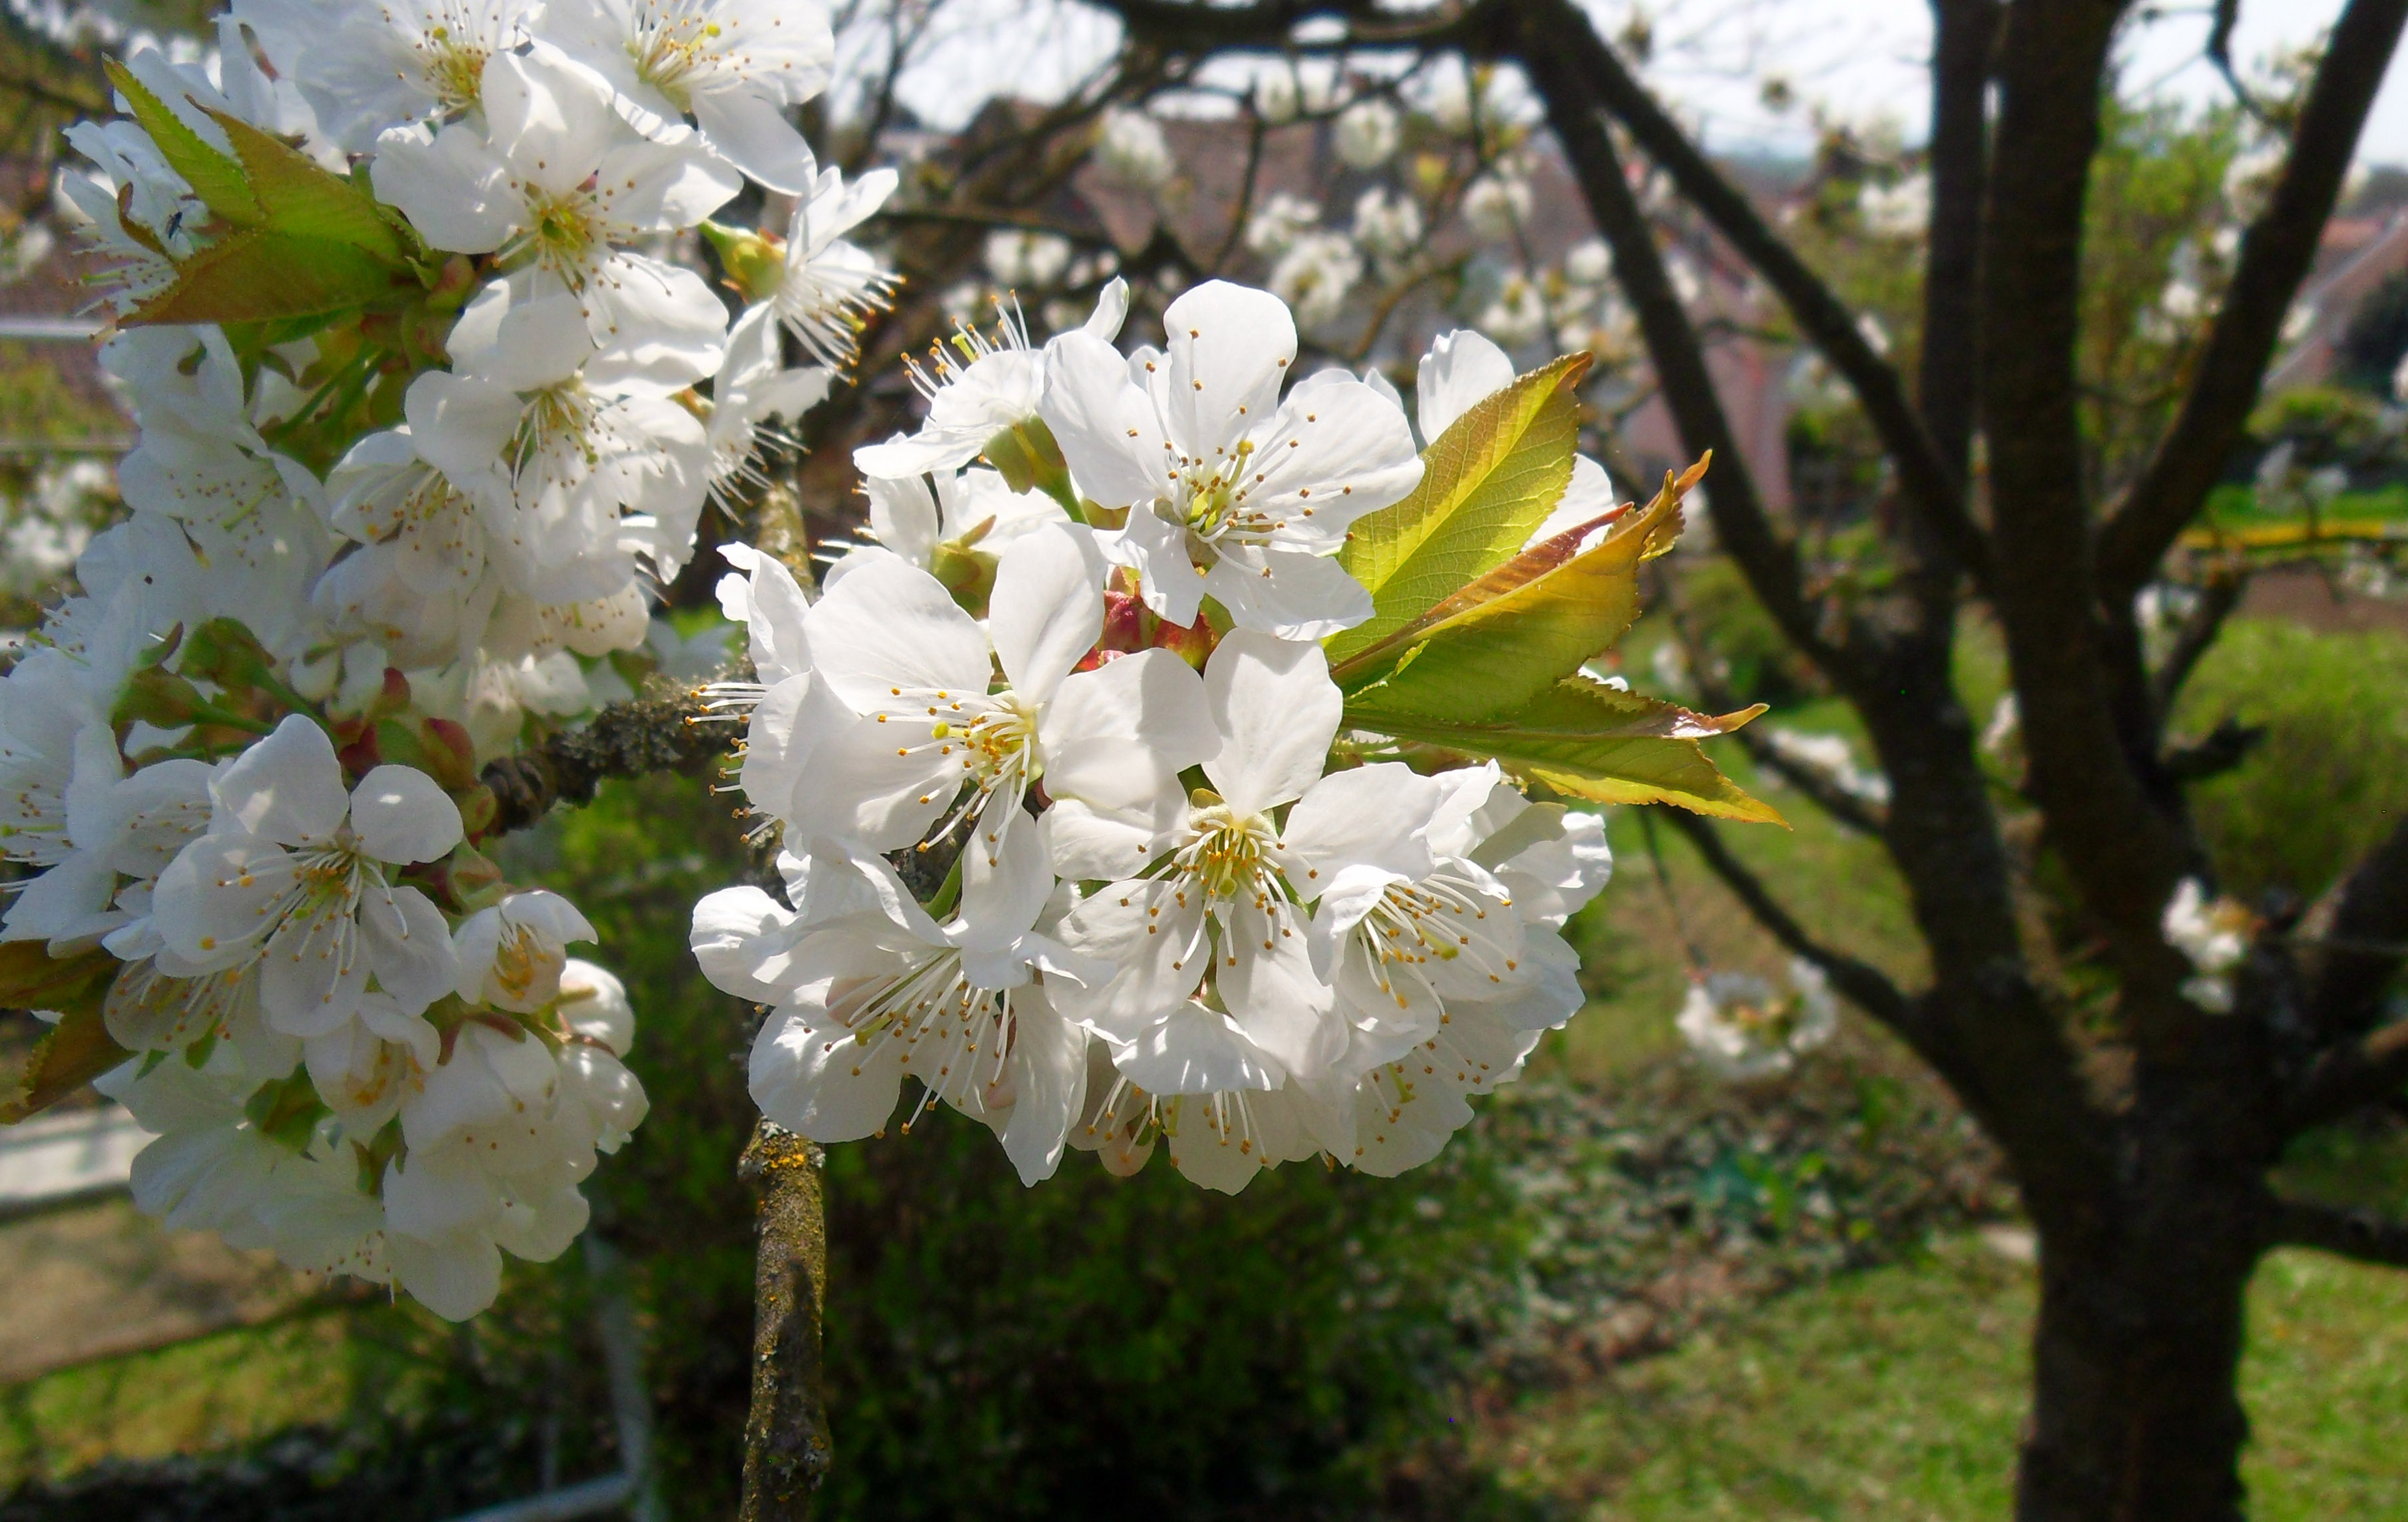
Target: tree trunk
x,y
2135,1414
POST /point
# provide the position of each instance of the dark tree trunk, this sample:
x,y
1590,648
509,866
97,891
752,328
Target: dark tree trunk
x,y
2134,1415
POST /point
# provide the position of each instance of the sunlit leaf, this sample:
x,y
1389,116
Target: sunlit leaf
x,y
1591,740
301,199
214,176
1487,482
1511,634
258,274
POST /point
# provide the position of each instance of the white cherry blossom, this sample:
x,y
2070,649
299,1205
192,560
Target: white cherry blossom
x,y
932,742
1215,893
1232,492
982,387
555,183
737,64
293,876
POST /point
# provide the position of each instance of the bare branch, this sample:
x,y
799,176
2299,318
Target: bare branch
x,y
2274,258
1966,38
2123,852
2217,601
1866,986
1768,561
2365,924
786,1443
626,739
2362,1234
2367,1071
1557,26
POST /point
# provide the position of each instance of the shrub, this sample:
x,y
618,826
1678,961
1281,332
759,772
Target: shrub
x,y
2330,779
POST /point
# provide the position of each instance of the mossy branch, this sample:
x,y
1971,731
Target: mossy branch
x,y
663,734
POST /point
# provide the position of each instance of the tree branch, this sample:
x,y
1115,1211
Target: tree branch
x,y
2276,256
1965,38
1553,27
1768,561
2217,601
626,739
2365,1073
1866,986
2123,853
786,1443
2362,1234
2369,911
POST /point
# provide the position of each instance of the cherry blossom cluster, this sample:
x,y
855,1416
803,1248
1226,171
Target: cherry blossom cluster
x,y
366,555
1074,833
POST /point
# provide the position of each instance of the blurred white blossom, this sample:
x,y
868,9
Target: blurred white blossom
x,y
1368,133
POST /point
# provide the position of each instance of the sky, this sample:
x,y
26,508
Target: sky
x,y
1860,60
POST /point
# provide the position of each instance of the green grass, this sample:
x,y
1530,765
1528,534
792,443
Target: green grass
x,y
1898,1393
224,1390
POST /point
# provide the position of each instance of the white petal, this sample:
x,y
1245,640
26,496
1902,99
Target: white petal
x,y
754,136
1049,1060
401,814
1265,977
809,1074
1460,369
455,1276
1156,549
1194,1050
518,336
454,190
1088,846
1375,816
1112,310
901,513
1108,430
288,788
1005,881
1277,711
1118,736
1047,609
665,331
409,948
1294,595
1230,346
1158,942
744,941
892,625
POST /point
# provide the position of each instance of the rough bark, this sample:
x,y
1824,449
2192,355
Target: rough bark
x,y
786,1443
2135,1415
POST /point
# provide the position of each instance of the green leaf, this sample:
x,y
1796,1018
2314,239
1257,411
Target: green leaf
x,y
216,179
1591,740
1486,482
258,274
76,1050
303,200
1510,635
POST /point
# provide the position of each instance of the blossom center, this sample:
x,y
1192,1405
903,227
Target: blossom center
x,y
1227,852
670,47
454,64
954,1035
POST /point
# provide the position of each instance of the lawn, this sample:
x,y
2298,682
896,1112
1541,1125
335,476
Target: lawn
x,y
1898,1393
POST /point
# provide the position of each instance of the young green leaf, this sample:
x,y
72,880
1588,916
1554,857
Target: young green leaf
x,y
300,199
215,177
258,274
1486,483
1590,741
1512,633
